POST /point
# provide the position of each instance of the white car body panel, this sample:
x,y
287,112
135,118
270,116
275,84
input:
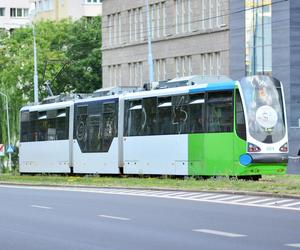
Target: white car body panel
x,y
49,157
98,162
156,155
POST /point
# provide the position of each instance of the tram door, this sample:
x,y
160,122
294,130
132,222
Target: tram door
x,y
218,141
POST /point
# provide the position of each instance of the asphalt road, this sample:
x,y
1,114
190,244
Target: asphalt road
x,y
50,219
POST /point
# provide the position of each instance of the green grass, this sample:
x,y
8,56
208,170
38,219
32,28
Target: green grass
x,y
288,184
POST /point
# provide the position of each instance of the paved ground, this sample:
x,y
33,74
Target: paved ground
x,y
56,218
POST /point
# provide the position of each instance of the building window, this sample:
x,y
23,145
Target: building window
x,y
114,74
109,30
258,16
2,11
160,69
183,18
158,19
183,66
45,5
18,12
213,14
135,73
135,23
211,64
114,29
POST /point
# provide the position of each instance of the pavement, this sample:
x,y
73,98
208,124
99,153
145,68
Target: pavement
x,y
35,217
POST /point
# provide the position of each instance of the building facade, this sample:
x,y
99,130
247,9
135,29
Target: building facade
x,y
62,9
207,37
14,14
188,37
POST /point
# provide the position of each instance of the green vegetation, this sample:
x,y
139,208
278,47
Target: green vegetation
x,y
71,52
280,185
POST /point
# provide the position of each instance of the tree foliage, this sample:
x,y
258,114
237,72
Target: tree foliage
x,y
73,46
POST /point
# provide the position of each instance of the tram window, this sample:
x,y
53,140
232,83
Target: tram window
x,y
62,124
240,118
34,135
109,125
25,126
196,113
149,116
81,126
50,125
133,118
45,125
219,112
94,122
180,114
164,116
24,116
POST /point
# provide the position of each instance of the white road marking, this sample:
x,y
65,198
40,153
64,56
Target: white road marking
x,y
245,199
183,194
259,201
200,197
297,245
221,233
113,217
231,198
179,193
42,207
291,204
276,202
215,197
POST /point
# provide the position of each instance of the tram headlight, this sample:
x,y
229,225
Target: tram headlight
x,y
253,148
284,148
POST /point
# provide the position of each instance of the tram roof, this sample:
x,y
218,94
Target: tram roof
x,y
42,107
195,84
197,88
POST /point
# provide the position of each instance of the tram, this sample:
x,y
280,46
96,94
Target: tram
x,y
189,126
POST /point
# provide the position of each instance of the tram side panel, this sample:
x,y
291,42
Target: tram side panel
x,y
44,144
44,157
95,143
156,155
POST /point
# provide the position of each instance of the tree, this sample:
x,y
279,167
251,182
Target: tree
x,y
75,43
83,50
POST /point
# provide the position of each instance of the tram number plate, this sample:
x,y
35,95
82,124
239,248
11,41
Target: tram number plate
x,y
269,149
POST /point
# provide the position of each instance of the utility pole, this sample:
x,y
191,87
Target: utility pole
x,y
35,77
150,57
8,129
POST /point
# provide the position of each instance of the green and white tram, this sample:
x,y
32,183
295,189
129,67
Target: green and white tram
x,y
220,128
187,126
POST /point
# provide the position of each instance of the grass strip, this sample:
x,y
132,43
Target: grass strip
x,y
281,185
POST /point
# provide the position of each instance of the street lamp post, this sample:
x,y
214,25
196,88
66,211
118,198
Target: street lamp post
x,y
8,129
149,33
35,76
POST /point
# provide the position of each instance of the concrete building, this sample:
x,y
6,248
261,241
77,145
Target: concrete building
x,y
61,9
207,37
188,37
14,14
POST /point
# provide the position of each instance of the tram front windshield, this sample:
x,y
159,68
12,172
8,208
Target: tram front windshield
x,y
264,108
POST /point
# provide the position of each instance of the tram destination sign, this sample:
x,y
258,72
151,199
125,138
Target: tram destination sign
x,y
2,150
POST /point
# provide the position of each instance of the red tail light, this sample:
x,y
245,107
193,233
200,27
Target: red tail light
x,y
284,148
253,148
